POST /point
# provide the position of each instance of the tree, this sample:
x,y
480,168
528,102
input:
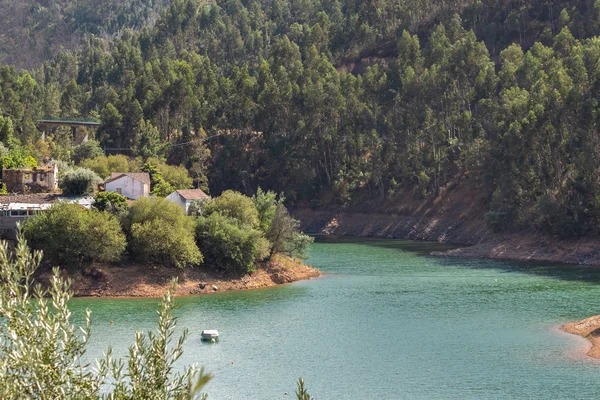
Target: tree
x,y
159,186
87,150
237,207
79,182
228,246
266,204
284,234
111,202
159,231
147,141
104,166
176,176
41,350
72,236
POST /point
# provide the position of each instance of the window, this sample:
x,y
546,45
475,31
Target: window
x,y
119,190
18,213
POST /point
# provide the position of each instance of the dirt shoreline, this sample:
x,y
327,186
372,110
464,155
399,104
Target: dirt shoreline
x,y
589,329
452,226
153,281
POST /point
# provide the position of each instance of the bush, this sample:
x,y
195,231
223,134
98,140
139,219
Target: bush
x,y
227,246
71,235
42,351
559,219
112,202
79,182
159,231
176,176
499,221
285,236
104,166
158,185
236,206
266,204
87,150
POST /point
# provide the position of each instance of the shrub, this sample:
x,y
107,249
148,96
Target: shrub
x,y
266,204
159,231
104,166
227,246
500,221
112,202
560,219
71,235
159,186
285,236
176,176
42,351
236,206
87,150
79,182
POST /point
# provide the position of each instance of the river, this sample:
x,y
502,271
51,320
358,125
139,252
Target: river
x,y
385,322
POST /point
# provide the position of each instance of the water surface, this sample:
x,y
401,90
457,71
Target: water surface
x,y
386,322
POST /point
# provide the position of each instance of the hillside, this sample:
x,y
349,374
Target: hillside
x,y
341,104
35,31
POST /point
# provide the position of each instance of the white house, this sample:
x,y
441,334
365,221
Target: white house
x,y
129,184
184,197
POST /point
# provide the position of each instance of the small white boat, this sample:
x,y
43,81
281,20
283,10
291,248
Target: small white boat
x,y
210,335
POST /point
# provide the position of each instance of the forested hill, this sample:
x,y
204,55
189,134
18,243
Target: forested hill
x,y
500,95
34,31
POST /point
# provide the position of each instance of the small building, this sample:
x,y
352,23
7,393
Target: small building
x,y
34,180
185,197
129,184
15,209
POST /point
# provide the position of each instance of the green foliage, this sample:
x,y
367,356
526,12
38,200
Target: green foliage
x,y
41,350
500,221
197,206
285,236
87,150
227,246
79,182
301,393
176,176
476,95
158,231
159,186
104,166
6,130
112,202
147,141
237,207
16,158
266,205
71,235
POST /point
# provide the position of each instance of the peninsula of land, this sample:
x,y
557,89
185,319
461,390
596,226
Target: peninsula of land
x,y
153,280
588,328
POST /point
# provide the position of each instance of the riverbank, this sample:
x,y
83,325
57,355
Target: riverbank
x,y
153,281
456,216
588,328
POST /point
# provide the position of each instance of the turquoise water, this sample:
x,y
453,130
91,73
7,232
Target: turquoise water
x,y
386,322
